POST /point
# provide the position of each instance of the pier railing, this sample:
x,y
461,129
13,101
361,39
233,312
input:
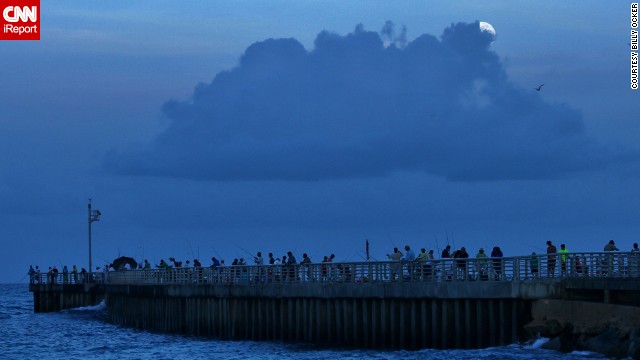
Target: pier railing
x,y
598,264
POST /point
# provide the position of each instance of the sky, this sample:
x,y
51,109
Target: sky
x,y
224,128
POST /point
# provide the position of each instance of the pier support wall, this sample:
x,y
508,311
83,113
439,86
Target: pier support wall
x,y
378,322
56,297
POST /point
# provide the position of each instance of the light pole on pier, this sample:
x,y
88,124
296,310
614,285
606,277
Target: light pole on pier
x,y
94,215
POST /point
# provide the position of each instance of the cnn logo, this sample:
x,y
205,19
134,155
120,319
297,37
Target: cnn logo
x,y
20,20
16,13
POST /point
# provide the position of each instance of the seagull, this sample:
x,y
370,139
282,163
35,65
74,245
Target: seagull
x,y
539,87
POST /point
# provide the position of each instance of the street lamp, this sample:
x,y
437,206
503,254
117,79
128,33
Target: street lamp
x,y
94,215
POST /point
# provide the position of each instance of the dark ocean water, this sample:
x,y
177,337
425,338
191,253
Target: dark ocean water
x,y
85,334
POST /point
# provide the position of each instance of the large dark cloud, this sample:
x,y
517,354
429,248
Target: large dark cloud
x,y
367,104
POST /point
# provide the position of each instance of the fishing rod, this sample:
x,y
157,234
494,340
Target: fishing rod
x,y
370,256
363,257
24,276
391,240
535,247
190,249
393,243
217,253
246,251
351,257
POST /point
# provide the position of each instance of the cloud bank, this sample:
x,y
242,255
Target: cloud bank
x,y
368,104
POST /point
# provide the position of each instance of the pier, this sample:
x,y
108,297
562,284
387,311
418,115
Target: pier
x,y
452,303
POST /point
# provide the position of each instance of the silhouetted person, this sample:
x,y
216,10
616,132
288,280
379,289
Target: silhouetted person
x,y
551,259
496,254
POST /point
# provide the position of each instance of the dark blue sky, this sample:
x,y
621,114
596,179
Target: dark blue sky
x,y
208,129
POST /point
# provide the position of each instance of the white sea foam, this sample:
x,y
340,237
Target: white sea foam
x,y
98,307
537,344
589,354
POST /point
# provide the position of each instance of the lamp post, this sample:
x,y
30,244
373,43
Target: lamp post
x,y
94,215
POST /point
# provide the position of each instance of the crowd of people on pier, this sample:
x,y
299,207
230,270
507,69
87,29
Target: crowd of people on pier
x,y
53,275
403,265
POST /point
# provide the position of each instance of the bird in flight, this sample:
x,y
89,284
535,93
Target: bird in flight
x,y
539,87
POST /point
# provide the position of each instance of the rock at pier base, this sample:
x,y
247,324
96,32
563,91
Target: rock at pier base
x,y
576,325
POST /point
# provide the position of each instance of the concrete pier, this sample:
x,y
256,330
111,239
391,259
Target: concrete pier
x,y
355,305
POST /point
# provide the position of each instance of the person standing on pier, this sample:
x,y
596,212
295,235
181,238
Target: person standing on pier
x,y
32,274
395,268
430,262
272,261
445,253
481,258
409,257
258,259
325,268
611,246
65,274
461,265
74,271
422,259
551,259
496,253
260,263
563,259
534,265
634,261
306,262
609,259
277,269
54,274
198,270
292,264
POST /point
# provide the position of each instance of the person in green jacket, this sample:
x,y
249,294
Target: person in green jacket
x,y
563,259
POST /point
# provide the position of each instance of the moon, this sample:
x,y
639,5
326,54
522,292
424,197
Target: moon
x,y
488,28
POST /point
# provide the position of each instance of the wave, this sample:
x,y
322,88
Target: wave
x,y
537,343
101,306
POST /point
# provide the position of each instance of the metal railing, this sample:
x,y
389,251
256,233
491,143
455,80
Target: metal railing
x,y
60,278
556,266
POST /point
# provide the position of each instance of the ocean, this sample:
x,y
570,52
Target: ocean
x,y
84,333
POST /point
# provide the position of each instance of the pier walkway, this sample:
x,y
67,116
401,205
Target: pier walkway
x,y
596,265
